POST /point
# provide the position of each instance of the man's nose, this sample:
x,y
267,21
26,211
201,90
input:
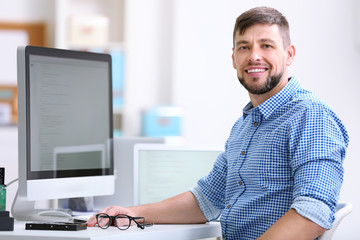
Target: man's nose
x,y
254,55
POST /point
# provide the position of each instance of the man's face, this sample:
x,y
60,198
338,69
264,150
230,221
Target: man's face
x,y
260,58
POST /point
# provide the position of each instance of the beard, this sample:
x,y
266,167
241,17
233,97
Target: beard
x,y
271,82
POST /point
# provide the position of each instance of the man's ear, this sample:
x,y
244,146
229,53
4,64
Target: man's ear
x,y
233,58
290,52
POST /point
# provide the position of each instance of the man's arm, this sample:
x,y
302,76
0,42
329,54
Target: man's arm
x,y
293,226
182,208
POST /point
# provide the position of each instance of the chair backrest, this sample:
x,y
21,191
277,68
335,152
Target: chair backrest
x,y
342,210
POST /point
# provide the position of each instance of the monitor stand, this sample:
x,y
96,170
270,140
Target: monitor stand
x,y
24,210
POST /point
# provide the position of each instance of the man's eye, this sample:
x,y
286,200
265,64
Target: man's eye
x,y
267,46
243,48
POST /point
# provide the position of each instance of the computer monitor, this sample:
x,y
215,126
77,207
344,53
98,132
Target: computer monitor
x,y
162,171
65,126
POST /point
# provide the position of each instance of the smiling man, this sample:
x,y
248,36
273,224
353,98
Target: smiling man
x,y
261,55
281,172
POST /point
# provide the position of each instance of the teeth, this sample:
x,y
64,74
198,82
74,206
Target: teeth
x,y
256,70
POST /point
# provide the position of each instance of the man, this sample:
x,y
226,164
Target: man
x,y
281,172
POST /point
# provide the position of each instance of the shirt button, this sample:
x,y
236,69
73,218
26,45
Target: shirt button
x,y
242,152
255,124
228,206
240,183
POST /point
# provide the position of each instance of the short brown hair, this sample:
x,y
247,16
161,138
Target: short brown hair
x,y
263,15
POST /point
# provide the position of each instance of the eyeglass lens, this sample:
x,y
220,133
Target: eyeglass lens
x,y
122,222
103,220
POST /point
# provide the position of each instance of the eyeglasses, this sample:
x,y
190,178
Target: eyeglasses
x,y
121,221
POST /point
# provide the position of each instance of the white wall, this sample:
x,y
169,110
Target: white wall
x,y
148,59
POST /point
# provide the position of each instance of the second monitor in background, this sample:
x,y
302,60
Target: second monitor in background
x,y
162,171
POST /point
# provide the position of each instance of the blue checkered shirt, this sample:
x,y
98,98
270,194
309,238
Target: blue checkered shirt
x,y
286,153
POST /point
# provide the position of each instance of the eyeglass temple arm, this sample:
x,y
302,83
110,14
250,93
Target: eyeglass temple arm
x,y
141,225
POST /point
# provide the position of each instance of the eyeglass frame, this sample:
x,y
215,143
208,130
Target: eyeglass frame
x,y
113,222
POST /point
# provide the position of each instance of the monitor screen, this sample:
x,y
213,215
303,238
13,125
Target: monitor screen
x,y
65,123
162,171
69,114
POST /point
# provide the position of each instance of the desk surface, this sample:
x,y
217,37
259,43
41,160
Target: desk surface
x,y
163,231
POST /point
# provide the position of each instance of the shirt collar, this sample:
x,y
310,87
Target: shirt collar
x,y
273,103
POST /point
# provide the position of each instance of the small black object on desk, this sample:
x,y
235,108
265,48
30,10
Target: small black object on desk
x,y
62,226
6,222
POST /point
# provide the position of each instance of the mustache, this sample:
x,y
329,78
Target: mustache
x,y
255,64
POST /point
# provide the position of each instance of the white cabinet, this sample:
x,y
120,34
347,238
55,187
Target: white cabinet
x,y
95,25
68,14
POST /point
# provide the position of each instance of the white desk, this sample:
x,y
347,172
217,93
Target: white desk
x,y
168,231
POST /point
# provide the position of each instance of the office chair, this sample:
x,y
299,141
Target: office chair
x,y
342,210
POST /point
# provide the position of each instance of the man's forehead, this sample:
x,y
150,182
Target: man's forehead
x,y
262,32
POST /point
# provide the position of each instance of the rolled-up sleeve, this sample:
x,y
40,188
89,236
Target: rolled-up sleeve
x,y
210,212
318,145
314,210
